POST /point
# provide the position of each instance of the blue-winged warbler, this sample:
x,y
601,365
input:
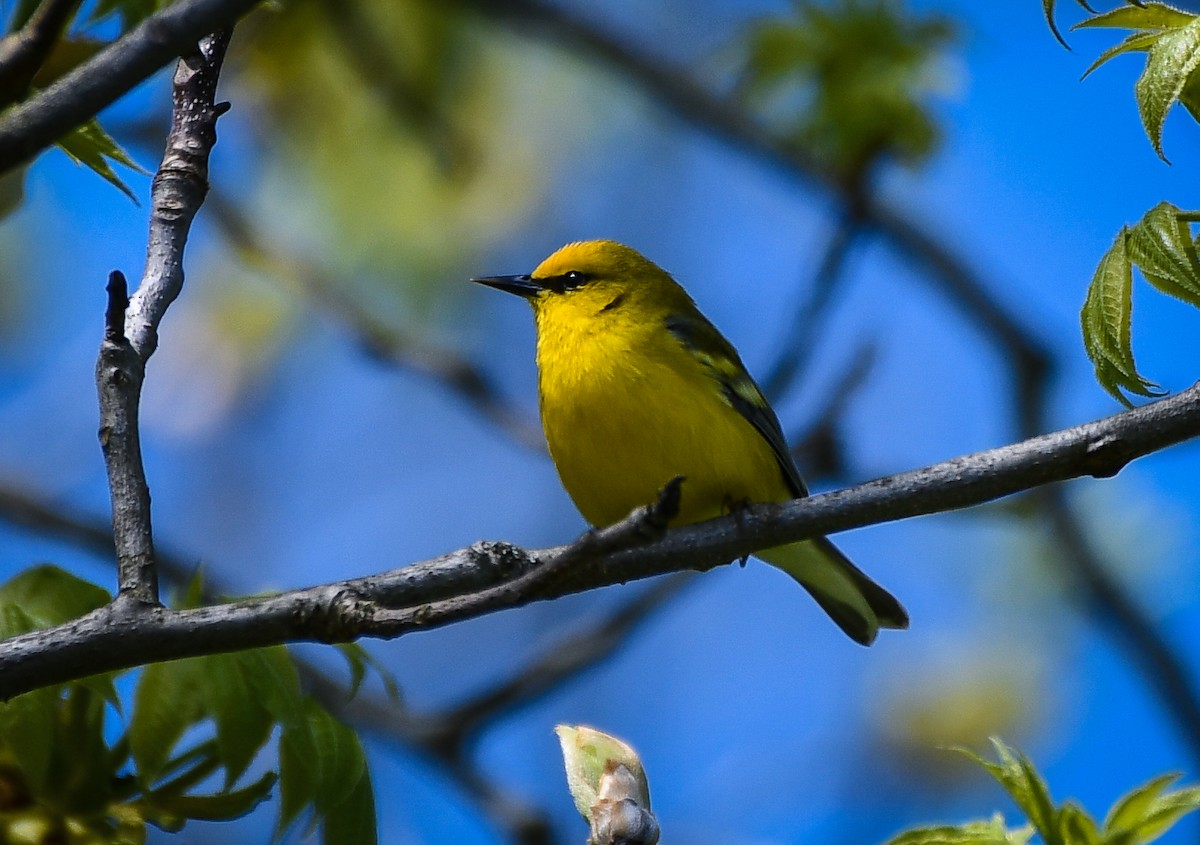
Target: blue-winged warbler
x,y
637,387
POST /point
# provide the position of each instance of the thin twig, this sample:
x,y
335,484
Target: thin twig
x,y
31,126
445,366
463,584
800,339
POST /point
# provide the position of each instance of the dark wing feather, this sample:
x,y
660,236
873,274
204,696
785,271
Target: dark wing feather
x,y
721,360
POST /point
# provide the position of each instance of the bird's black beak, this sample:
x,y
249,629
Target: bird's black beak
x,y
520,285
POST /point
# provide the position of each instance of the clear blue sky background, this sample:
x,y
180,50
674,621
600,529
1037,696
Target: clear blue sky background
x,y
757,721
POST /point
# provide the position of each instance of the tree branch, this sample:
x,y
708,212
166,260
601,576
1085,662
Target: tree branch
x,y
130,325
31,126
439,592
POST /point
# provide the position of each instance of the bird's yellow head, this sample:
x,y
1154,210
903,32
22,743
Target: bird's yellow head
x,y
589,278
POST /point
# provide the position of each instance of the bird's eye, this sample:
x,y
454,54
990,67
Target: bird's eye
x,y
573,279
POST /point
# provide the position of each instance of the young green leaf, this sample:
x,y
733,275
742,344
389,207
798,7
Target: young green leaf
x,y
222,806
1138,16
299,778
28,730
1135,42
339,760
1162,248
1076,827
231,698
1132,807
1025,786
48,595
167,702
1106,320
991,832
1172,61
359,660
1163,812
90,145
352,822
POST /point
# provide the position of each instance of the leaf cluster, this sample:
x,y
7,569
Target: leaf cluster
x,y
193,746
1140,816
1162,247
853,76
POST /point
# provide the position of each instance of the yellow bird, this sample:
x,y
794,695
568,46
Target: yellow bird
x,y
637,387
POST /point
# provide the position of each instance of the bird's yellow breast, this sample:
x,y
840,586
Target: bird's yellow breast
x,y
626,408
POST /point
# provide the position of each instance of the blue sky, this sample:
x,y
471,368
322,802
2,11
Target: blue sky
x,y
757,721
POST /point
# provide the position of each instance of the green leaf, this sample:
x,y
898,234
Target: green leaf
x,y
359,660
298,773
339,760
28,726
353,822
48,595
82,773
991,832
1048,11
222,806
1076,827
1164,812
168,701
90,145
1135,42
1106,320
231,693
1173,60
1162,248
1144,16
1131,808
1025,786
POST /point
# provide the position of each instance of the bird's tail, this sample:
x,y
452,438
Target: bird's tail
x,y
858,605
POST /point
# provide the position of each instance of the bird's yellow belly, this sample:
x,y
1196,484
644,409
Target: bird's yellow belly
x,y
619,436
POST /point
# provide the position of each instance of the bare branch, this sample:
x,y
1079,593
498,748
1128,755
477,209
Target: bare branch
x,y
438,592
797,347
23,52
179,188
130,329
31,126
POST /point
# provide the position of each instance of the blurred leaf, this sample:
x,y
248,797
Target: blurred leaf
x,y
90,145
299,778
353,821
243,722
48,595
1076,827
847,111
28,729
1025,786
1131,808
222,806
132,12
67,54
167,702
339,759
991,832
359,660
1162,813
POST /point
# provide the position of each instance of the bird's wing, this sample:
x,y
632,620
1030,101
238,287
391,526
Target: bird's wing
x,y
710,348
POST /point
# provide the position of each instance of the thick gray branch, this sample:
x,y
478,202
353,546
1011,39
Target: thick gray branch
x,y
453,587
31,126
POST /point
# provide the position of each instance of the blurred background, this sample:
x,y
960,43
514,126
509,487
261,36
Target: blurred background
x,y
891,209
